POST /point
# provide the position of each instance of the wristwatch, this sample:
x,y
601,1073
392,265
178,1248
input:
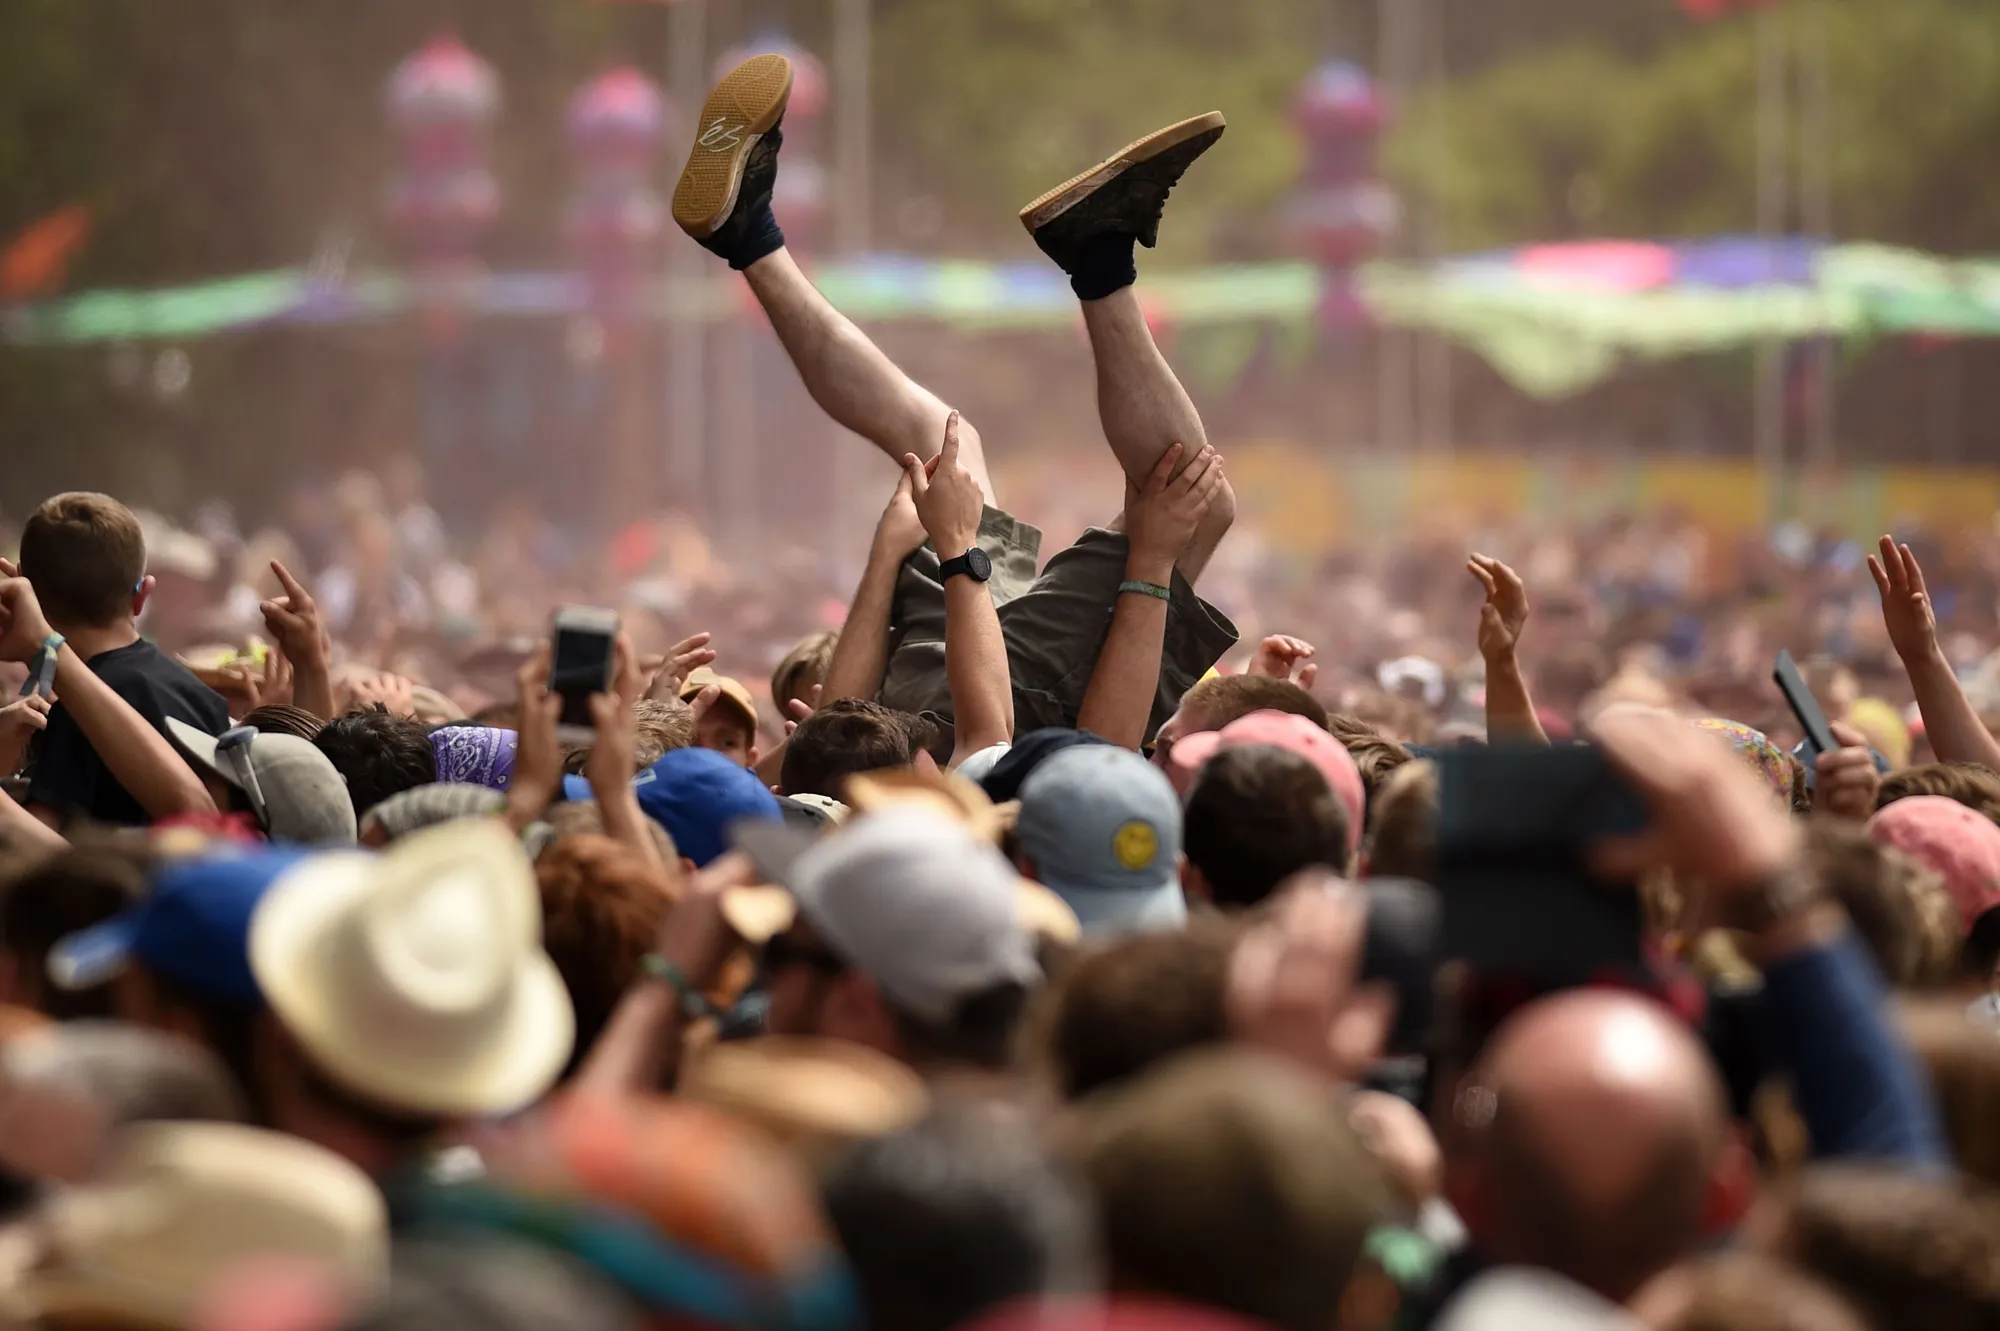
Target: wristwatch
x,y
973,564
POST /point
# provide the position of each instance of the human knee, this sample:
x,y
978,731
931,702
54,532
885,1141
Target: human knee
x,y
1221,514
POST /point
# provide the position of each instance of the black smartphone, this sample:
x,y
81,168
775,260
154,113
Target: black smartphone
x,y
1514,831
580,661
1812,717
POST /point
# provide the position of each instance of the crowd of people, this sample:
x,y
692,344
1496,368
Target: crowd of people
x,y
1036,947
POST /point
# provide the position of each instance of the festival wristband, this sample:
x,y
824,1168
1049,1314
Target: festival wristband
x,y
42,668
1146,589
693,1005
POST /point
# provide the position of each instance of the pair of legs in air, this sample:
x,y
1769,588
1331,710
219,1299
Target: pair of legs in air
x,y
1088,226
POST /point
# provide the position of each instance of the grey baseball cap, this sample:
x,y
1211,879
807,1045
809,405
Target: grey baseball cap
x,y
1101,827
305,801
919,904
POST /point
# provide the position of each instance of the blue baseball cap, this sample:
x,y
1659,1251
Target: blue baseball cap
x,y
1101,828
192,927
696,794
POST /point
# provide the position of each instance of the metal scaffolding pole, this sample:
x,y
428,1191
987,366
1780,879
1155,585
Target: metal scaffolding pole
x,y
853,185
1816,211
686,380
1773,189
1434,414
1395,348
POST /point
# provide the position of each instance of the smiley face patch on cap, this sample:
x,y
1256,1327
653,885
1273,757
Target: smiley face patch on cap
x,y
1135,844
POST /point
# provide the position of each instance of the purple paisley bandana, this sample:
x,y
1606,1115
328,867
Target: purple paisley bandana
x,y
475,755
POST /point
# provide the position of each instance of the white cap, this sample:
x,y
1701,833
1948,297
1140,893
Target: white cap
x,y
920,904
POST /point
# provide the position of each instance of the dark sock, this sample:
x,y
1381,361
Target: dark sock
x,y
759,236
1103,266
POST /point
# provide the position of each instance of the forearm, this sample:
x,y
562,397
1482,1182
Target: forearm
x,y
771,763
1951,724
1859,1089
975,665
22,828
312,690
138,757
625,824
861,653
1118,702
639,1047
1510,711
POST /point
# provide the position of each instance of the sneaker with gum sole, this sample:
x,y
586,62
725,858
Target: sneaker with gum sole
x,y
1124,194
734,157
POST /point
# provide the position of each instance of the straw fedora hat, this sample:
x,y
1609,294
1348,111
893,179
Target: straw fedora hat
x,y
182,1206
416,978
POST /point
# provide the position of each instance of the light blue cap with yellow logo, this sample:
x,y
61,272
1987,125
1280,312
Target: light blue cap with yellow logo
x,y
1101,828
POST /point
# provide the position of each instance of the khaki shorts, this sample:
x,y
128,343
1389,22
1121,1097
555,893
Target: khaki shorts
x,y
1054,626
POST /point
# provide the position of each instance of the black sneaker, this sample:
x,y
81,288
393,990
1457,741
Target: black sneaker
x,y
1123,195
734,162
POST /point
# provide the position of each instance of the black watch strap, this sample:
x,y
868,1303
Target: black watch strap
x,y
972,564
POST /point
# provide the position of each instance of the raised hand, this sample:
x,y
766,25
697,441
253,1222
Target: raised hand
x,y
1712,820
538,755
1294,981
614,748
682,659
900,531
1280,657
1505,613
393,692
19,720
1845,783
801,709
293,621
274,684
23,626
947,499
1161,518
1906,602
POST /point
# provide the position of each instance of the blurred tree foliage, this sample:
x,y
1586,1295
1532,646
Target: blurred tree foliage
x,y
1576,138
218,136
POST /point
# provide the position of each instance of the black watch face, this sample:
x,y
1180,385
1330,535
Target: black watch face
x,y
978,565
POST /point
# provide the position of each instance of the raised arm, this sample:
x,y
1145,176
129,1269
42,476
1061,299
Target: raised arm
x,y
1823,1020
23,829
1159,522
612,758
1510,712
861,653
950,502
1950,723
293,622
640,1048
137,756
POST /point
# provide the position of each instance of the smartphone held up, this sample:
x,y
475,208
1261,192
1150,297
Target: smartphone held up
x,y
582,650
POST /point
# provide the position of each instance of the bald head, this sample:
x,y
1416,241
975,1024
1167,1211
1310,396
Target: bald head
x,y
1588,1138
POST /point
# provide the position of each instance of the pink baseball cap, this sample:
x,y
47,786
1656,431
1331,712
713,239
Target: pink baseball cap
x,y
1961,845
1284,730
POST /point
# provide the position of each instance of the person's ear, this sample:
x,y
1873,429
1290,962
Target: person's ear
x,y
1194,886
754,754
688,868
923,764
1732,1187
143,595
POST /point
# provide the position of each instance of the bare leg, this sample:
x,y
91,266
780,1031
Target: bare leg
x,y
1144,410
850,378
